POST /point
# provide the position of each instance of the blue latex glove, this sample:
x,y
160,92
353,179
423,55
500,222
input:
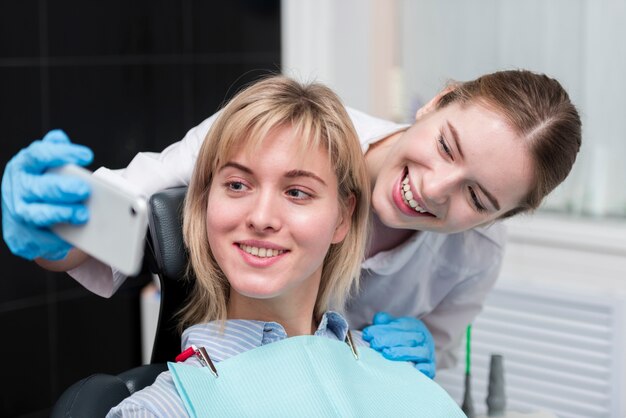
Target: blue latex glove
x,y
32,200
403,339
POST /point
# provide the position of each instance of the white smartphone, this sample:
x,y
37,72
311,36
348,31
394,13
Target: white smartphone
x,y
116,231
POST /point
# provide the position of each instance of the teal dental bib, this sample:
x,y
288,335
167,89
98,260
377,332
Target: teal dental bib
x,y
312,377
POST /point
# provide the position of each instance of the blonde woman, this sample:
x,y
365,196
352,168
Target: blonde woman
x,y
275,222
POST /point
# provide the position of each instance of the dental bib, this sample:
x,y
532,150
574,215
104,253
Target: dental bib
x,y
310,376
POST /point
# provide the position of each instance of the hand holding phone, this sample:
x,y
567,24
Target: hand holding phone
x,y
118,220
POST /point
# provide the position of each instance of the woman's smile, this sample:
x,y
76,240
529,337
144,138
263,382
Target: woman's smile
x,y
260,254
261,248
411,203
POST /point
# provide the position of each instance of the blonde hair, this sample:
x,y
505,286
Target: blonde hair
x,y
318,119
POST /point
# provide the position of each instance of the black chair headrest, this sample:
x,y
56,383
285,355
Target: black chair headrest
x,y
166,232
168,259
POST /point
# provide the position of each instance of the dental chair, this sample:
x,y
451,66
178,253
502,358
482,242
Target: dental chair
x,y
166,257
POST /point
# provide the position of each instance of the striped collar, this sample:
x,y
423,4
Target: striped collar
x,y
241,335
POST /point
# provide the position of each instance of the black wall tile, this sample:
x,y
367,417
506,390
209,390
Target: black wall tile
x,y
21,280
20,108
107,330
19,28
128,109
80,28
26,372
242,26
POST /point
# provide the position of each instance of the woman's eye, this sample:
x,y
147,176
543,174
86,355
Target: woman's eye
x,y
235,186
298,194
476,201
444,146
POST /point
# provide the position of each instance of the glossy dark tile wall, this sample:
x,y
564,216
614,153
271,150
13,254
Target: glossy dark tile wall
x,y
19,28
81,28
120,76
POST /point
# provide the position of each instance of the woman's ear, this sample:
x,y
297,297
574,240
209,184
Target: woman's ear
x,y
345,220
432,104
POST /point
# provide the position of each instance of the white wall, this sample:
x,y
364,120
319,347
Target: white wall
x,y
569,253
339,43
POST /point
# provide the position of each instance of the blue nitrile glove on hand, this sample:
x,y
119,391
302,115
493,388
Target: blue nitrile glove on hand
x,y
32,200
402,339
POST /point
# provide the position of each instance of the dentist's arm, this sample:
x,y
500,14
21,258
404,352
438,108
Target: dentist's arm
x,y
147,173
73,259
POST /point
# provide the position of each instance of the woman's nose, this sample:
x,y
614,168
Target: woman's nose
x,y
439,186
264,214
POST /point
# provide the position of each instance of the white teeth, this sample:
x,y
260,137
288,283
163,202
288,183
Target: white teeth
x,y
407,195
261,252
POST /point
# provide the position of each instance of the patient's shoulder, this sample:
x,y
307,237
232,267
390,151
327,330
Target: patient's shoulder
x,y
159,399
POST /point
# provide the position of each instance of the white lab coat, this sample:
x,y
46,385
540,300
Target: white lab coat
x,y
441,278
